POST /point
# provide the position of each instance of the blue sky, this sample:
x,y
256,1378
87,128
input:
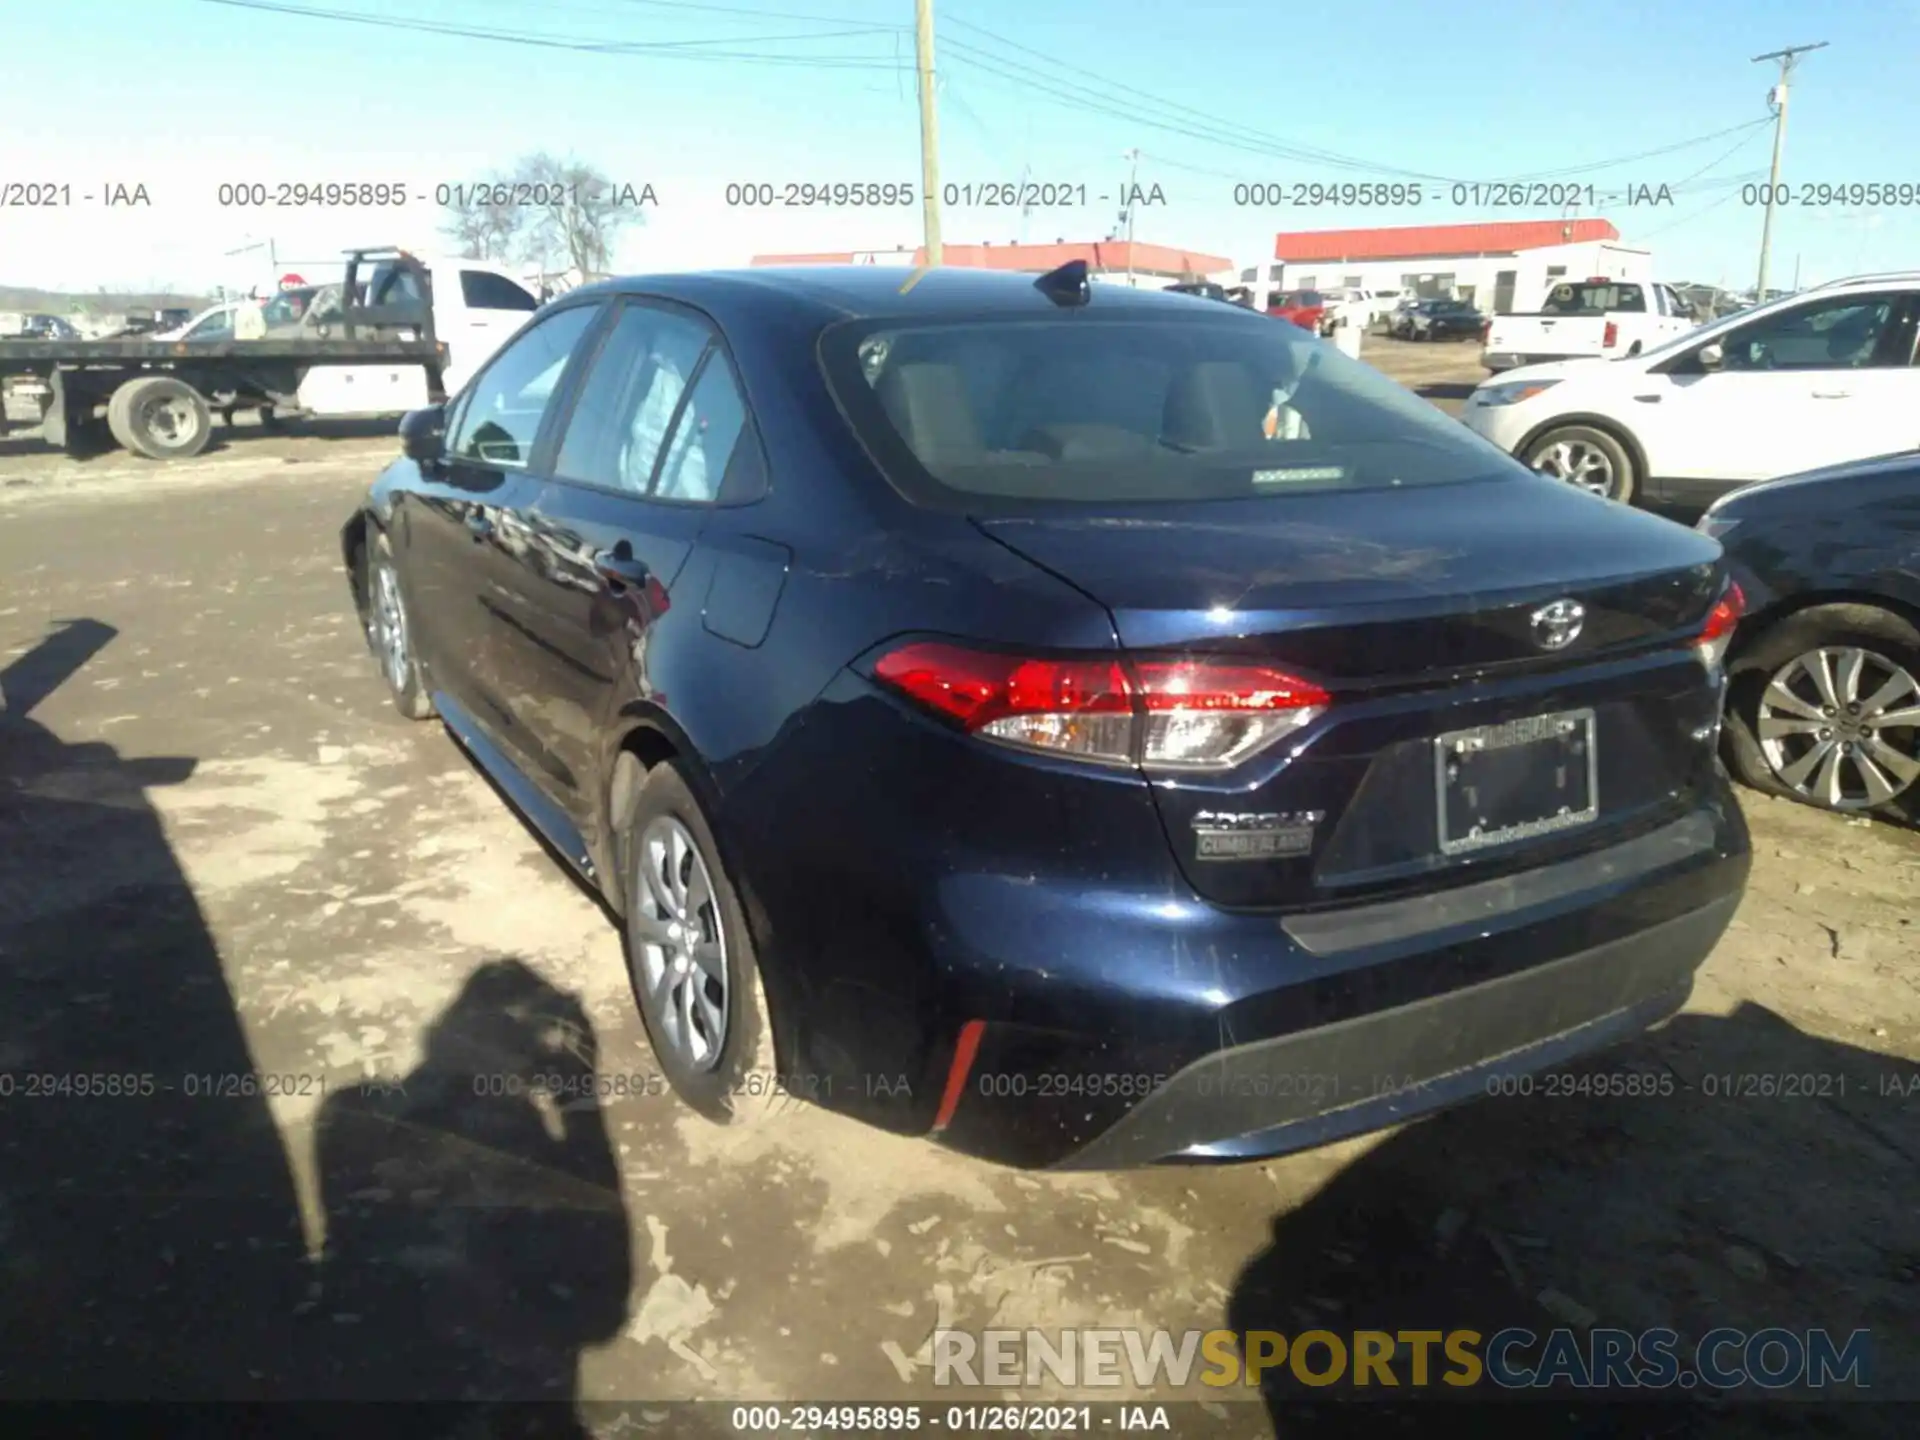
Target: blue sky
x,y
182,95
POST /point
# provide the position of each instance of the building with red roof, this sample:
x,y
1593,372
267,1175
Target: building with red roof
x,y
1500,266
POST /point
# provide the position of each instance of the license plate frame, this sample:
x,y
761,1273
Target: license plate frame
x,y
1564,740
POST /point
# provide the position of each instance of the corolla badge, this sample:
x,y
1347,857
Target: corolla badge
x,y
1558,625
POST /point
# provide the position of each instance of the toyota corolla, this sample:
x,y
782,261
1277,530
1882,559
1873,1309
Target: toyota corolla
x,y
1087,726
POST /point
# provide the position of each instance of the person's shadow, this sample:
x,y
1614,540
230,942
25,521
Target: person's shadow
x,y
1730,1172
476,1234
150,1239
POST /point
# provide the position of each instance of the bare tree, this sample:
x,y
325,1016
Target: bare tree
x,y
578,213
489,226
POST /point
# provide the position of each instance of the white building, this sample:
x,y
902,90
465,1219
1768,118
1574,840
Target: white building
x,y
1501,267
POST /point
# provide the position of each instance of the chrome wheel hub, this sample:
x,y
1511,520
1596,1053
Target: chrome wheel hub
x,y
680,945
171,420
1583,466
1841,727
390,626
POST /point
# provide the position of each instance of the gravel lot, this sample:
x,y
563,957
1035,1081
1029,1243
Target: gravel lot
x,y
223,854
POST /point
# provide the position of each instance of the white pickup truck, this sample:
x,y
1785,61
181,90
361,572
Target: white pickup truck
x,y
1588,319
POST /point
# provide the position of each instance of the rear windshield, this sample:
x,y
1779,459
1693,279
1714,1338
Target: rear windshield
x,y
1571,299
1081,410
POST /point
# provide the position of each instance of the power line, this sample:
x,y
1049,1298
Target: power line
x,y
681,49
1237,136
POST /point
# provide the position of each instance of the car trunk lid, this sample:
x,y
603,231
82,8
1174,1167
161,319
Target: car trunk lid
x,y
1422,612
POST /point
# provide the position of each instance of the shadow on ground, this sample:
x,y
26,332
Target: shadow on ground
x,y
151,1240
1790,1209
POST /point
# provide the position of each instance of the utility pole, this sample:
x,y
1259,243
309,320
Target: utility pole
x,y
1133,173
929,129
1786,59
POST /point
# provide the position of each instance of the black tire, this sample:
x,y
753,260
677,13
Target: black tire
x,y
399,666
160,417
1889,638
737,1083
1623,479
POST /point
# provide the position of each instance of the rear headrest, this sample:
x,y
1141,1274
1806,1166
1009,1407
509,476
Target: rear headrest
x,y
928,405
1214,405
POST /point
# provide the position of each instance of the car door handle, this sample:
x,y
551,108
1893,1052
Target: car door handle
x,y
1648,399
480,527
621,571
1833,394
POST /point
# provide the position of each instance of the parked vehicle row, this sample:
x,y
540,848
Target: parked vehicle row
x,y
1174,633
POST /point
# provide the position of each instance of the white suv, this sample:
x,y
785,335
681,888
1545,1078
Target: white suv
x,y
1815,379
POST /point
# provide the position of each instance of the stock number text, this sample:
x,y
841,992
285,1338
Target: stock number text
x,y
861,194
1360,194
1866,193
296,194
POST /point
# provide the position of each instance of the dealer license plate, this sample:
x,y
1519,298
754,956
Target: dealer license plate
x,y
1500,783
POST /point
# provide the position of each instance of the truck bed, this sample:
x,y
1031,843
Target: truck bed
x,y
35,356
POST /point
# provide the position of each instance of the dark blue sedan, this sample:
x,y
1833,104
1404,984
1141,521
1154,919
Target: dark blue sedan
x,y
1089,726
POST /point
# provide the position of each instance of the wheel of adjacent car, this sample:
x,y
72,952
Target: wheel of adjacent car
x,y
1825,709
1587,458
390,635
160,417
692,962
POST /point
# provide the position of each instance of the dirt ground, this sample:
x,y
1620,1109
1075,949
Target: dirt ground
x,y
222,854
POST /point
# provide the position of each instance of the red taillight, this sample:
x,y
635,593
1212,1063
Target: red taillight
x,y
1717,633
1611,336
1175,714
1725,614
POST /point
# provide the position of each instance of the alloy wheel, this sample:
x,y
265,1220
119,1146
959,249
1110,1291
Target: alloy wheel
x,y
1840,726
1579,464
681,945
390,626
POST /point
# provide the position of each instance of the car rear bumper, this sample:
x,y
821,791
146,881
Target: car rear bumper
x,y
1195,1034
1293,1092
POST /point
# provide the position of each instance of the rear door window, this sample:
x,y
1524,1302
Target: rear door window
x,y
629,399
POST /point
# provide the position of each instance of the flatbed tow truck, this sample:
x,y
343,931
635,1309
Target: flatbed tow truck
x,y
157,398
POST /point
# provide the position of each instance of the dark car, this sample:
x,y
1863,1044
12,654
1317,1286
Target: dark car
x,y
1823,703
1085,726
1440,320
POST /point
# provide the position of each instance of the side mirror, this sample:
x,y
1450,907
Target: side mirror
x,y
1712,357
423,434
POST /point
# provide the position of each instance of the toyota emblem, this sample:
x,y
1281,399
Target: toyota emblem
x,y
1558,625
